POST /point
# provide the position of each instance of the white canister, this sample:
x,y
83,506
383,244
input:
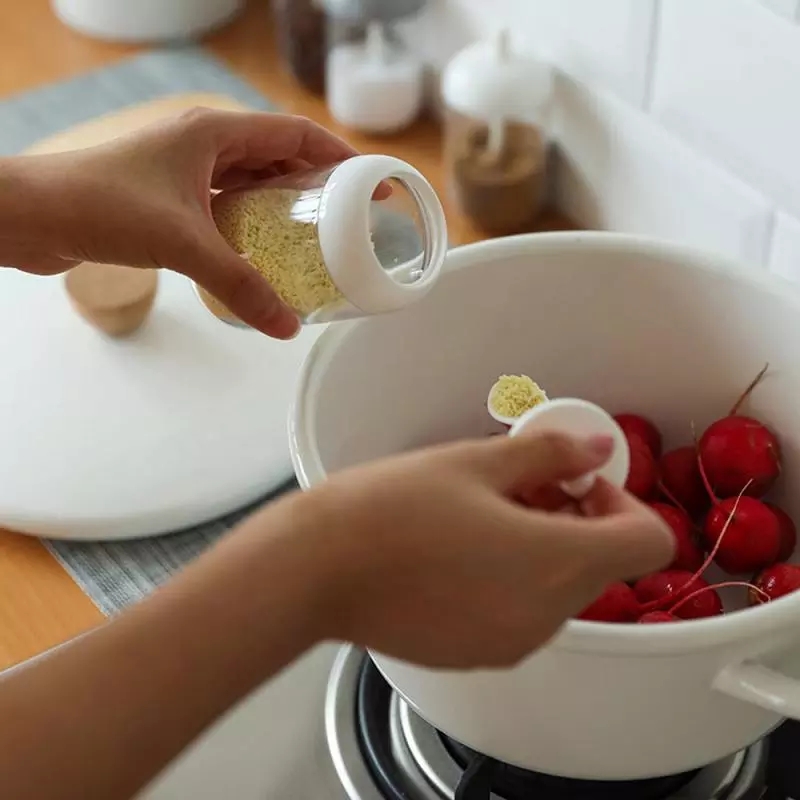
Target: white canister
x,y
146,20
374,85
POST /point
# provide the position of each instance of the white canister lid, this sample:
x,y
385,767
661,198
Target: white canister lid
x,y
345,230
486,81
362,10
580,418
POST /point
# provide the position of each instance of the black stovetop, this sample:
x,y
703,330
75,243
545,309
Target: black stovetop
x,y
483,776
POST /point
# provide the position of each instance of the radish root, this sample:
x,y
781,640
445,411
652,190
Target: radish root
x,y
654,604
763,599
748,391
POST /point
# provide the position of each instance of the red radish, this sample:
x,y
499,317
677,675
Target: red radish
x,y
688,555
661,590
774,582
752,532
739,451
681,482
706,602
617,604
703,602
788,532
635,426
657,616
643,475
753,539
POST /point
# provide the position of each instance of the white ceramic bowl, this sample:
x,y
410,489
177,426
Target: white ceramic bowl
x,y
632,325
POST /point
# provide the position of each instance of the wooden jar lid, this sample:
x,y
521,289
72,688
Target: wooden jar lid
x,y
116,300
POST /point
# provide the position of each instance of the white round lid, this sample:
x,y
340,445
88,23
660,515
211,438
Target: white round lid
x,y
178,424
347,227
580,418
487,81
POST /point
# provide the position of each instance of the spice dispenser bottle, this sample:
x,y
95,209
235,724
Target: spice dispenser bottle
x,y
496,142
374,83
365,236
301,30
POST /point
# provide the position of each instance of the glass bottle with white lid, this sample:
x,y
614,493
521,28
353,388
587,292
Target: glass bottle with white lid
x,y
365,236
374,82
496,139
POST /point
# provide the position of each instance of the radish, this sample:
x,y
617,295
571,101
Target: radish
x,y
681,483
635,426
652,617
754,537
661,590
616,604
752,532
774,582
688,555
788,532
702,602
643,475
739,451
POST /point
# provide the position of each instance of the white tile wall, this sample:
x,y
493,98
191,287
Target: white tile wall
x,y
726,80
679,118
785,256
787,8
618,170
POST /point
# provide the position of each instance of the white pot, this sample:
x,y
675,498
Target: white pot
x,y
633,326
146,20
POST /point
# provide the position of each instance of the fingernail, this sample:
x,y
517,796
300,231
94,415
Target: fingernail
x,y
600,446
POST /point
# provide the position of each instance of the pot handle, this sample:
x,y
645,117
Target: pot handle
x,y
761,686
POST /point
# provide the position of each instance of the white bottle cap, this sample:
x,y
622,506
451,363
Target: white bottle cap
x,y
345,240
486,81
580,418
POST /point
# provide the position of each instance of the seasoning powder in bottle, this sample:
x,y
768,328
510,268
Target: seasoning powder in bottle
x,y
366,236
495,141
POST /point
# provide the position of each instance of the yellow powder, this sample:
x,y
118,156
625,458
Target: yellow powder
x,y
513,395
275,230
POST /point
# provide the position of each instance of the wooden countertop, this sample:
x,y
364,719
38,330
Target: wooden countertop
x,y
40,605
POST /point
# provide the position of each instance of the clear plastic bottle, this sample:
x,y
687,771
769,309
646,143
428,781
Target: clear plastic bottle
x,y
496,140
374,82
365,236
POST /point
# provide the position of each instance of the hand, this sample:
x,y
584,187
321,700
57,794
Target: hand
x,y
440,564
144,200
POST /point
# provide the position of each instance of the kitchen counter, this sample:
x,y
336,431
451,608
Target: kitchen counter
x,y
40,605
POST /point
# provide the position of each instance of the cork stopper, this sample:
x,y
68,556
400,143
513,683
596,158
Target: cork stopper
x,y
115,300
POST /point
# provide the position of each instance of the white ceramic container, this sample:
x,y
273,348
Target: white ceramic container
x,y
631,325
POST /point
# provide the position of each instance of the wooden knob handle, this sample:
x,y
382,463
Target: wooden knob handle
x,y
116,300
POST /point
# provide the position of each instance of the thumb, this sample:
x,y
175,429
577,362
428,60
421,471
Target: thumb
x,y
542,458
232,281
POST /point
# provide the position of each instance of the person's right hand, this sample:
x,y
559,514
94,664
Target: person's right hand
x,y
434,559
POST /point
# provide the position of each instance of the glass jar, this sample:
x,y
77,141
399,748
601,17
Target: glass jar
x,y
365,236
496,143
497,173
374,83
302,34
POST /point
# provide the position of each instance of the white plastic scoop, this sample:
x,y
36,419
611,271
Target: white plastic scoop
x,y
580,418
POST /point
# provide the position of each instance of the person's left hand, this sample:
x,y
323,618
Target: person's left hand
x,y
144,200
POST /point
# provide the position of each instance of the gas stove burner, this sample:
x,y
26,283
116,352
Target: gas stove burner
x,y
383,750
483,775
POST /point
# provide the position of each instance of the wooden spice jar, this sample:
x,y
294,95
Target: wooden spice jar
x,y
496,142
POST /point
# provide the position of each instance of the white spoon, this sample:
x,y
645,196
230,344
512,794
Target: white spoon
x,y
584,419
